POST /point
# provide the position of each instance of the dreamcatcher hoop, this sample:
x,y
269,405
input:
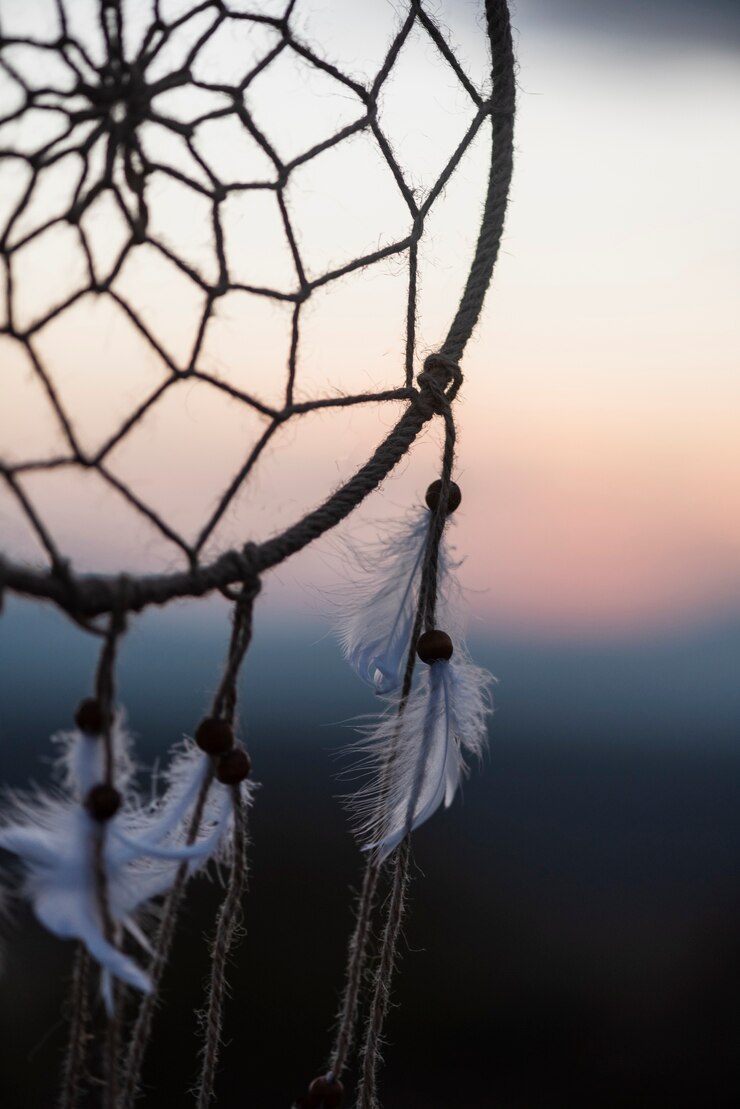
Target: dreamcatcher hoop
x,y
108,106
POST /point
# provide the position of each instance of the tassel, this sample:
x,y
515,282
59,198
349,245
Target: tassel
x,y
376,627
418,756
56,838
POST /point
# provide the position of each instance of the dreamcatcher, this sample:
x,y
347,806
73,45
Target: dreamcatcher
x,y
86,124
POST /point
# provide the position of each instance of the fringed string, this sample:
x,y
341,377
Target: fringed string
x,y
367,1097
227,928
111,1048
75,1060
229,917
142,1027
357,957
224,706
105,689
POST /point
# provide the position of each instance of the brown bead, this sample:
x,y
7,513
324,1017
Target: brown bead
x,y
233,767
434,646
325,1093
454,496
214,736
89,716
103,801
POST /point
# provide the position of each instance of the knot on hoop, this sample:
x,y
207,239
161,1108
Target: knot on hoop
x,y
251,582
439,381
241,566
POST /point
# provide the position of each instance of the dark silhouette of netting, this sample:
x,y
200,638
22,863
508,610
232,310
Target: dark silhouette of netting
x,y
105,109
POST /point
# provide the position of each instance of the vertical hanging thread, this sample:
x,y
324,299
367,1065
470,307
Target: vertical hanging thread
x,y
357,957
223,708
142,1027
229,917
442,379
75,1060
105,690
401,857
367,1097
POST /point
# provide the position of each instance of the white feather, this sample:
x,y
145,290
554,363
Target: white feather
x,y
81,760
417,756
377,621
143,849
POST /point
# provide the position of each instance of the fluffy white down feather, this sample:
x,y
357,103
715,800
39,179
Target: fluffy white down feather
x,y
376,620
417,757
144,846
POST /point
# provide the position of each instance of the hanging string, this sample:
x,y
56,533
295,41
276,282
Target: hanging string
x,y
74,1072
400,860
102,802
141,1030
105,799
367,1097
223,709
229,917
357,957
442,378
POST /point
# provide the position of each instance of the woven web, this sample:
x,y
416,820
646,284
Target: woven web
x,y
92,102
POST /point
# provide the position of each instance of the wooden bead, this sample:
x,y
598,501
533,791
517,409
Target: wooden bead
x,y
103,801
325,1093
89,716
233,767
454,496
214,736
434,646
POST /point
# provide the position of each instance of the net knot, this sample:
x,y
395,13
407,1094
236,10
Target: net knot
x,y
439,381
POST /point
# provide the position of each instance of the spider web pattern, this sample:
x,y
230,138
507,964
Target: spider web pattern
x,y
101,114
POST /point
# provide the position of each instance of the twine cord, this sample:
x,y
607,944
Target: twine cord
x,y
75,1061
224,704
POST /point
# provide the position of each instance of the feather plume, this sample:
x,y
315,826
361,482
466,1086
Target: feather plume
x,y
80,763
142,851
417,755
377,621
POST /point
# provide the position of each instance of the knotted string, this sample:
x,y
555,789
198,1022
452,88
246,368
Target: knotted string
x,y
439,383
229,917
223,706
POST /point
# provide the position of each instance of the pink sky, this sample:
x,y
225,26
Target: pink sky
x,y
599,455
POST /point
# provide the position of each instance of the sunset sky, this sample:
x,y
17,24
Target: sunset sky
x,y
599,453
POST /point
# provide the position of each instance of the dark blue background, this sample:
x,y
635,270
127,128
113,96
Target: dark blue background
x,y
573,936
